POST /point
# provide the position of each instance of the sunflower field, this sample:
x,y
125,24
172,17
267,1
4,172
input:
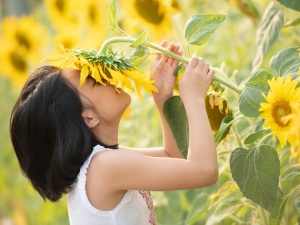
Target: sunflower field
x,y
253,103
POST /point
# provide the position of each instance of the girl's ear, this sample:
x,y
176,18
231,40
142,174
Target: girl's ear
x,y
90,120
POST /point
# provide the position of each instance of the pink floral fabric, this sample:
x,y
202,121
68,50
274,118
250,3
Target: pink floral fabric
x,y
147,197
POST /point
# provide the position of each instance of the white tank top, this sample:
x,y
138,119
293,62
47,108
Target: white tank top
x,y
136,207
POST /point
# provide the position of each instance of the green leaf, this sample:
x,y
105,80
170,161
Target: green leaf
x,y
179,69
251,96
224,129
297,204
292,173
175,115
256,172
255,136
199,28
267,33
286,62
112,21
140,40
292,4
276,217
139,55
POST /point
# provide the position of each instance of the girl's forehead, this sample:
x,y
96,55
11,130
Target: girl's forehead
x,y
72,75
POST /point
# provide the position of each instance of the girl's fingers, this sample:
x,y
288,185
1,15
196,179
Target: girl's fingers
x,y
193,62
206,68
159,66
173,48
211,72
200,64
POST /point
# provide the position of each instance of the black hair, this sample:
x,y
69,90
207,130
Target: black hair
x,y
49,136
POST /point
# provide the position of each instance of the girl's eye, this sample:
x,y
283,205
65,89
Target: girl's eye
x,y
91,80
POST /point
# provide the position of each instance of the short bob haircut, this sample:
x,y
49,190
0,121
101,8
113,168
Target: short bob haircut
x,y
49,136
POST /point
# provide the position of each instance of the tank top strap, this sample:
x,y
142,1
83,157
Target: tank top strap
x,y
81,179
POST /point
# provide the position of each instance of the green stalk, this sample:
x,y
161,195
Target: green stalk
x,y
264,138
165,51
238,139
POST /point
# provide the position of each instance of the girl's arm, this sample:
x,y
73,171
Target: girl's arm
x,y
113,171
162,71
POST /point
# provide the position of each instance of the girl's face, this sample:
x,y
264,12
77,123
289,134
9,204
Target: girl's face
x,y
110,104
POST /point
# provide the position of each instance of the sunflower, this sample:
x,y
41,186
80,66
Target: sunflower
x,y
112,68
280,101
14,63
93,13
62,12
93,20
217,108
20,47
67,37
294,132
299,56
152,15
24,32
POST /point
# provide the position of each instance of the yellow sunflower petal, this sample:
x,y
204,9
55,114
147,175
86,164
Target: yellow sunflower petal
x,y
83,74
105,77
141,79
96,75
118,77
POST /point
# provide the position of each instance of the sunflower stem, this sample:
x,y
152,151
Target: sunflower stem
x,y
264,138
238,139
167,52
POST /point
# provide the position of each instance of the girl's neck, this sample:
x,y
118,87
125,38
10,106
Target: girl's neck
x,y
107,135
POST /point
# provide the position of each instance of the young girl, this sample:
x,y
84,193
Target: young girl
x,y
66,140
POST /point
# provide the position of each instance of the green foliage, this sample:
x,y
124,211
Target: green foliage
x,y
292,22
140,40
286,61
175,114
226,200
199,29
224,129
276,216
256,136
293,173
251,170
297,204
112,20
114,60
251,96
267,33
293,4
139,55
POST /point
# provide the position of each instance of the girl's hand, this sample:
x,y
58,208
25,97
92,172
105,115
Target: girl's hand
x,y
195,80
163,68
